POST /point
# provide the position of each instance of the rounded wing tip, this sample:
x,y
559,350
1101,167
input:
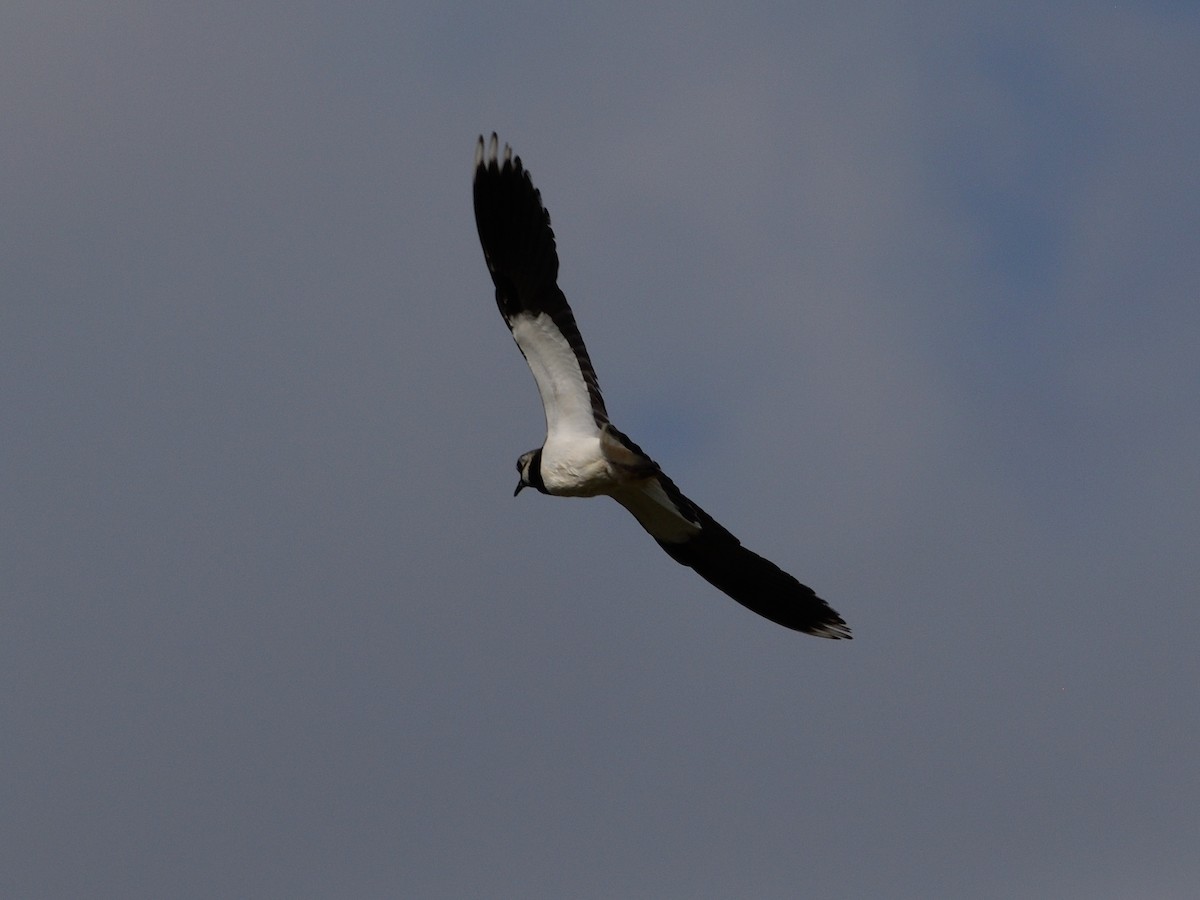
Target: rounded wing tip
x,y
489,158
485,152
835,630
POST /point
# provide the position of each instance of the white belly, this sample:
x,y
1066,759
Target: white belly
x,y
575,467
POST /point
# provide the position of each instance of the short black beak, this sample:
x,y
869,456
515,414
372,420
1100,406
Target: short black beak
x,y
520,485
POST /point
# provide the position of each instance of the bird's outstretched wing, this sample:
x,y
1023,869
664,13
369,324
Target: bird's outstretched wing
x,y
693,538
518,245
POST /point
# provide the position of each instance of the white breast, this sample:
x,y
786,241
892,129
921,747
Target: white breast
x,y
574,466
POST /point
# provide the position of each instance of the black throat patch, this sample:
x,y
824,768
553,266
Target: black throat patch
x,y
535,472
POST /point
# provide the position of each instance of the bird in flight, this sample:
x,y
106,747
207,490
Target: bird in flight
x,y
584,455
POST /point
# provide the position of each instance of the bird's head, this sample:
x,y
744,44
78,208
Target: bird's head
x,y
530,467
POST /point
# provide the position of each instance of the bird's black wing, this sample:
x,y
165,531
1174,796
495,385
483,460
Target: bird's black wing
x,y
518,246
693,538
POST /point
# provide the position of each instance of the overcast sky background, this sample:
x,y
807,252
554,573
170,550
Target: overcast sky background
x,y
907,299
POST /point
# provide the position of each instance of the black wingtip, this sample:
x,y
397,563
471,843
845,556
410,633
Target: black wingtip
x,y
514,230
757,584
834,628
488,158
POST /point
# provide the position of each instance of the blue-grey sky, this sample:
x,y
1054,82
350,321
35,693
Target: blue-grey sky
x,y
909,299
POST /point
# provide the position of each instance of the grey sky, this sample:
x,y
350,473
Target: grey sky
x,y
907,300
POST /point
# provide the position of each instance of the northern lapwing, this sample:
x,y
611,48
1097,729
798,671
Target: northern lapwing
x,y
584,455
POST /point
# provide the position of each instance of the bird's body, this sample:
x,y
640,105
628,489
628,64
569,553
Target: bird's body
x,y
583,454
